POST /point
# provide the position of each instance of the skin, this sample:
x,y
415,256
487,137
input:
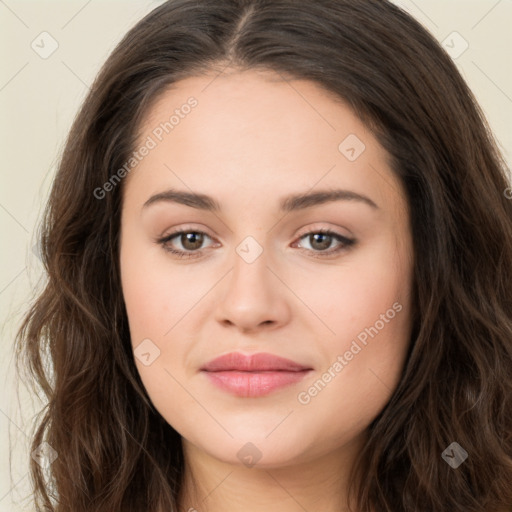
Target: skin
x,y
252,139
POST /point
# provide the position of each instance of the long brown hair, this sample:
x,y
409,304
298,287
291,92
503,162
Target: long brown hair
x,y
115,452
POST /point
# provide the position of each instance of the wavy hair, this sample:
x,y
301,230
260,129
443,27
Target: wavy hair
x,y
115,452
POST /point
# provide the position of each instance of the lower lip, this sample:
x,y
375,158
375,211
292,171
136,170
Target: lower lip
x,y
253,384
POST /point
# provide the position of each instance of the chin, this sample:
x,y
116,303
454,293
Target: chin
x,y
255,449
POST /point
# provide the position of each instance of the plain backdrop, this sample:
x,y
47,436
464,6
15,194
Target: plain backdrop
x,y
51,51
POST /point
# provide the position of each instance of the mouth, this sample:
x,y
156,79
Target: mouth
x,y
254,375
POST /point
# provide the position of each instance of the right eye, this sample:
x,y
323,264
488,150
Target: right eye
x,y
190,240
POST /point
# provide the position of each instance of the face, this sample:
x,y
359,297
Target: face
x,y
298,247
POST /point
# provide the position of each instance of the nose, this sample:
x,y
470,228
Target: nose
x,y
252,297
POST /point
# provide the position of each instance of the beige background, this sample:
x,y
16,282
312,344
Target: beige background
x,y
39,98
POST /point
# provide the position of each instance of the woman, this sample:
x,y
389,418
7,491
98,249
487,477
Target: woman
x,y
279,255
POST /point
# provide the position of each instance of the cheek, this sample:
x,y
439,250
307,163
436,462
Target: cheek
x,y
365,307
156,294
360,378
352,296
371,320
155,303
158,300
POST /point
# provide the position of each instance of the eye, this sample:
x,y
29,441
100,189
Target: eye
x,y
322,239
191,241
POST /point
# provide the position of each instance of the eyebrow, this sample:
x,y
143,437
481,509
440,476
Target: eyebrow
x,y
289,203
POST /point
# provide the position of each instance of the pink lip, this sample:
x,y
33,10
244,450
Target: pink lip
x,y
254,375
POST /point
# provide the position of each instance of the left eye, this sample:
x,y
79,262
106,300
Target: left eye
x,y
192,241
322,240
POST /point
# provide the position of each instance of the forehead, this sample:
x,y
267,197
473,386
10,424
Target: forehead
x,y
256,130
241,100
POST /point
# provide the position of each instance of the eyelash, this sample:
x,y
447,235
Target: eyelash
x,y
346,243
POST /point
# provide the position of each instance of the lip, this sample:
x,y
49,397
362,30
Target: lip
x,y
253,375
262,361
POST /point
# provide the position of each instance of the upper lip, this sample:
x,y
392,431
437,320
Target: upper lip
x,y
262,361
